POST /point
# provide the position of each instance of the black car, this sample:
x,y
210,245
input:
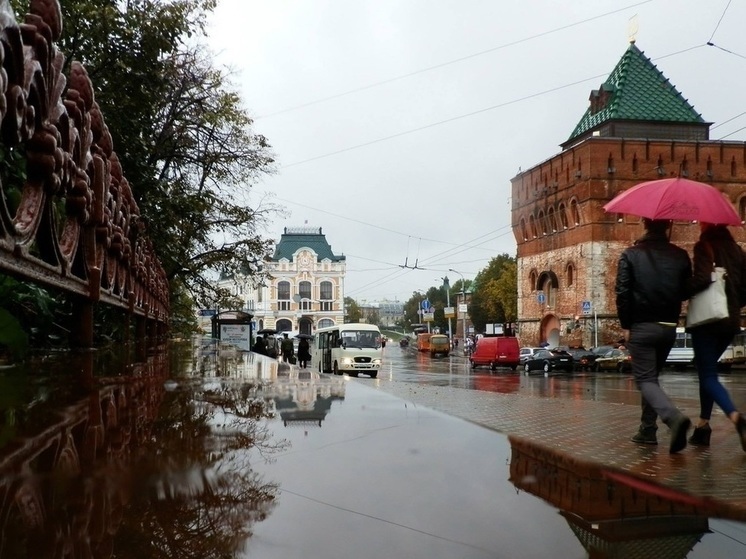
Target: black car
x,y
587,362
549,360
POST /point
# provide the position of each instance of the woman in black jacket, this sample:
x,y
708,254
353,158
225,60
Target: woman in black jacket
x,y
716,247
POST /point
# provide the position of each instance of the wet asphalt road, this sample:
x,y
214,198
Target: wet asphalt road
x,y
382,477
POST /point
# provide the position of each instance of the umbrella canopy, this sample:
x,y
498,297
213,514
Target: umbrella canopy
x,y
304,336
267,331
678,199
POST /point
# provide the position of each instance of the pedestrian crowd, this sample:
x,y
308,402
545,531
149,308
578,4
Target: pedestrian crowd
x,y
654,278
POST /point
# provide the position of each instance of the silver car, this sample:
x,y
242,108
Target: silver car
x,y
527,353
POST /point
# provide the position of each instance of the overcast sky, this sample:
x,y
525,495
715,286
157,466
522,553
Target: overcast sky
x,y
398,124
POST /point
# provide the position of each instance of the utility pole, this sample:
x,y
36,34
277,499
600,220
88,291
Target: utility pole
x,y
448,304
463,300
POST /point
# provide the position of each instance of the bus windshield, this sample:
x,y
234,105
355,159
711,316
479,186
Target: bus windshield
x,y
361,339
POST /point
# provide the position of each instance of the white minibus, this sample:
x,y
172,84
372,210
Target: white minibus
x,y
351,348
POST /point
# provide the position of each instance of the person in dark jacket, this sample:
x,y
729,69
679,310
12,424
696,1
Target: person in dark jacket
x,y
304,353
652,281
716,247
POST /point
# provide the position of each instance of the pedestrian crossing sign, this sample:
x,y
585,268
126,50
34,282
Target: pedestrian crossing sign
x,y
586,307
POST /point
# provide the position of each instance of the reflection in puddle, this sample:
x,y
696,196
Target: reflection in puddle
x,y
610,518
102,456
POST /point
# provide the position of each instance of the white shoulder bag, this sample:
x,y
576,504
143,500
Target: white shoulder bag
x,y
711,304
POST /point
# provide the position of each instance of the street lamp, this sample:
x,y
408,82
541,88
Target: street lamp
x,y
463,299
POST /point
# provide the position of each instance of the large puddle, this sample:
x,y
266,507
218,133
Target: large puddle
x,y
200,451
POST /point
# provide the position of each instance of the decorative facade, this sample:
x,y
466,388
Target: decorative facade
x,y
304,288
638,127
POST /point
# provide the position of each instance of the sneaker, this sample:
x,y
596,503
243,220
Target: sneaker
x,y
679,428
645,436
701,436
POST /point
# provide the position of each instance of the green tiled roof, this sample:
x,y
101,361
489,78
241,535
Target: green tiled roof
x,y
292,241
636,90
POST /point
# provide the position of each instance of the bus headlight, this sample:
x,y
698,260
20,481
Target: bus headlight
x,y
376,361
347,361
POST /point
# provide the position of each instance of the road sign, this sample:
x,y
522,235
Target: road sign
x,y
541,298
586,307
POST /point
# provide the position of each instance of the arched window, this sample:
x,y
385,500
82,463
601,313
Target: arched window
x,y
562,213
570,275
532,281
524,231
327,295
532,226
284,325
304,290
326,322
742,208
549,285
283,295
574,212
551,221
542,222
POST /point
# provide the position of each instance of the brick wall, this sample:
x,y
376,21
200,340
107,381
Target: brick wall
x,y
564,236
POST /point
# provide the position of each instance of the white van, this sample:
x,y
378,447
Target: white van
x,y
351,348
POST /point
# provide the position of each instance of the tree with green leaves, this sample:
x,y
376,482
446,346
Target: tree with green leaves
x,y
353,313
495,294
183,138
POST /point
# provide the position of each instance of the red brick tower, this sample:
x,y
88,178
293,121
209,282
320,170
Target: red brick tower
x,y
638,127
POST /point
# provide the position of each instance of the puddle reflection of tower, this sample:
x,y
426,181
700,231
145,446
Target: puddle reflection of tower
x,y
609,518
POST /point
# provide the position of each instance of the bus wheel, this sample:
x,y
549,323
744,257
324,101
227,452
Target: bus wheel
x,y
335,369
374,374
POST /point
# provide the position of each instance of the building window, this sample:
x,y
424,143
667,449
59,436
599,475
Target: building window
x,y
304,290
327,290
575,212
562,212
326,323
283,290
742,208
327,297
552,221
570,275
283,295
542,222
532,281
532,226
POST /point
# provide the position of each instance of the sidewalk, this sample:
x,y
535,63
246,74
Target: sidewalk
x,y
595,435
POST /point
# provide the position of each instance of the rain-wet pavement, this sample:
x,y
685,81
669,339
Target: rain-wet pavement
x,y
209,452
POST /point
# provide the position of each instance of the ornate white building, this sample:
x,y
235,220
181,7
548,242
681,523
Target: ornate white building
x,y
305,286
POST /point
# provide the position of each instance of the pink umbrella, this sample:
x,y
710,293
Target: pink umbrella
x,y
677,199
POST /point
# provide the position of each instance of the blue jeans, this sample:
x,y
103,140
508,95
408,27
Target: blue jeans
x,y
708,347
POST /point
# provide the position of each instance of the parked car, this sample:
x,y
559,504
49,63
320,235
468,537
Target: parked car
x,y
588,361
579,357
527,353
549,360
614,360
496,351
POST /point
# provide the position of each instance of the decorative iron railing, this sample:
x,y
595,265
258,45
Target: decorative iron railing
x,y
74,223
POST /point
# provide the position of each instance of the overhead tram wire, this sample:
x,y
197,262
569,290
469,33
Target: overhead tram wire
x,y
455,245
450,62
466,115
